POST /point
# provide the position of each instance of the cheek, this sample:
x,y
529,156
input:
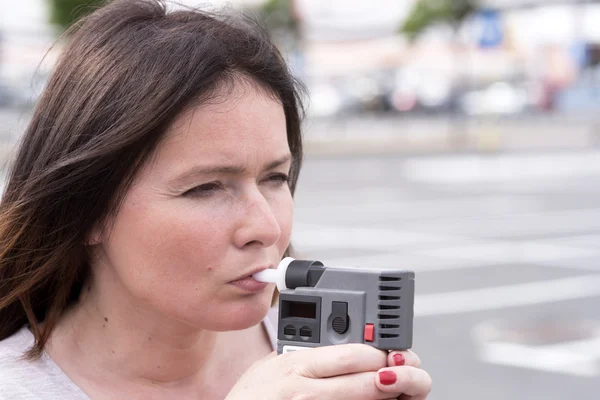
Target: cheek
x,y
164,244
284,211
193,239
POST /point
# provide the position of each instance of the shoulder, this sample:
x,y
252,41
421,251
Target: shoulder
x,y
16,373
13,349
21,378
39,379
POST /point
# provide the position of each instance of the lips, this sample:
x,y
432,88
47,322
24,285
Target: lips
x,y
246,283
252,272
249,284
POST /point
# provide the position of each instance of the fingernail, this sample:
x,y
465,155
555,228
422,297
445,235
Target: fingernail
x,y
387,377
399,359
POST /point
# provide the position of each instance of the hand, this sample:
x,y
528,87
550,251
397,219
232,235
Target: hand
x,y
340,372
405,376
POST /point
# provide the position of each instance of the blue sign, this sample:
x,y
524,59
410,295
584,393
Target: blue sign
x,y
579,52
491,29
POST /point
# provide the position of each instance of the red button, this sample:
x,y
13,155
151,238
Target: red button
x,y
369,332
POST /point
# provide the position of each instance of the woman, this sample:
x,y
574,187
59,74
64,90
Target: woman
x,y
155,177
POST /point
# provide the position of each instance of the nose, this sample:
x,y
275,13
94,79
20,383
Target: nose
x,y
258,223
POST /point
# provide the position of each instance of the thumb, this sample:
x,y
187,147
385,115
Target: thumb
x,y
268,357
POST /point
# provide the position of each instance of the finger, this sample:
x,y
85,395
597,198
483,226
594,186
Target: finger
x,y
266,358
410,381
407,397
330,361
403,357
359,386
263,360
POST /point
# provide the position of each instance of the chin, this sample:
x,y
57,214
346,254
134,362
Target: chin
x,y
241,313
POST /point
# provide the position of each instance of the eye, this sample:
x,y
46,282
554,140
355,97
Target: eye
x,y
279,178
204,190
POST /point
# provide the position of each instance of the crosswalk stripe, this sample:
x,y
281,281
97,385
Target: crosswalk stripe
x,y
518,295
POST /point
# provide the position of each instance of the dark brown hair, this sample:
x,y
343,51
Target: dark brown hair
x,y
128,70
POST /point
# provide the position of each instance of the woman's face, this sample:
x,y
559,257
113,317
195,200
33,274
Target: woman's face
x,y
212,207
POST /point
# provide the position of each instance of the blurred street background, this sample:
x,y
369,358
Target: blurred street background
x,y
459,139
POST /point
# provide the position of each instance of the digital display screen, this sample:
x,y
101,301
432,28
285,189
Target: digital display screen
x,y
301,310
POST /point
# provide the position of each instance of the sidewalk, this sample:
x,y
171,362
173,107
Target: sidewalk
x,y
415,135
426,135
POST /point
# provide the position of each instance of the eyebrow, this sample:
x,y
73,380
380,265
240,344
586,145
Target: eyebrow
x,y
226,169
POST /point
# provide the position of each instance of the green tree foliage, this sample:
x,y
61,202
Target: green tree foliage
x,y
278,15
64,13
429,12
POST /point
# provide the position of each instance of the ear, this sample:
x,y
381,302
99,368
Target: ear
x,y
94,237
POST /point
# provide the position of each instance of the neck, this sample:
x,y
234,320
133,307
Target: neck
x,y
126,342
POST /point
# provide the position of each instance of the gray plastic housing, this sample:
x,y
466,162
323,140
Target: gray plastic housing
x,y
383,298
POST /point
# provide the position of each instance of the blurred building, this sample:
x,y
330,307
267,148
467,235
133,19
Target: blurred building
x,y
352,57
25,36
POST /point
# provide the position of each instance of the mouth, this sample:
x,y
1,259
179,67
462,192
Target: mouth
x,y
247,283
252,272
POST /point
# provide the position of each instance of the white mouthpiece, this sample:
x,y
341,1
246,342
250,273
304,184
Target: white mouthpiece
x,y
275,275
268,275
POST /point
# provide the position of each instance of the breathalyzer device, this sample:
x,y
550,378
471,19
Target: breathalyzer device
x,y
321,306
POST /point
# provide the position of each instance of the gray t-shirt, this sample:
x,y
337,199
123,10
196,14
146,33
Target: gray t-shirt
x,y
43,379
28,380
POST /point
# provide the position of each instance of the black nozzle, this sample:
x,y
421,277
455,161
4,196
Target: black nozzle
x,y
303,273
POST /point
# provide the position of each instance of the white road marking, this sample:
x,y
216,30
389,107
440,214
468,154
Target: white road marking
x,y
558,358
510,252
499,297
582,241
560,222
507,167
471,255
317,237
423,209
417,263
563,222
427,252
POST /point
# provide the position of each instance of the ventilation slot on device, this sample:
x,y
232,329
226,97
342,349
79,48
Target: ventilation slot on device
x,y
385,307
389,306
389,279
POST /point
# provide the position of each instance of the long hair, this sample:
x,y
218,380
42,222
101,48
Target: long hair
x,y
128,70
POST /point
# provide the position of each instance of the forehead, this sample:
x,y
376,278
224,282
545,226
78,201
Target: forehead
x,y
244,120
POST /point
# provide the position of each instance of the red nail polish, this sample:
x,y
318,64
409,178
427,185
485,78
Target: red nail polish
x,y
387,377
399,359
